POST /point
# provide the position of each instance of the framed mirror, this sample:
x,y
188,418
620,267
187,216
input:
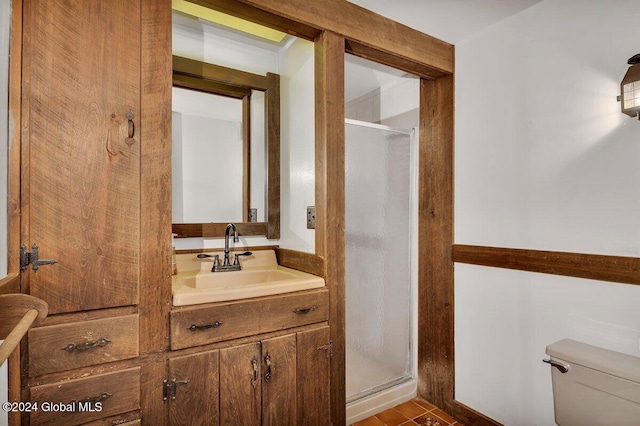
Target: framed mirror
x,y
221,172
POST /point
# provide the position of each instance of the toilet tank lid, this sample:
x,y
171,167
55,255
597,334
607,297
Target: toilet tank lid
x,y
604,360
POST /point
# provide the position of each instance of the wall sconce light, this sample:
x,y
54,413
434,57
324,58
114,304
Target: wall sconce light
x,y
630,88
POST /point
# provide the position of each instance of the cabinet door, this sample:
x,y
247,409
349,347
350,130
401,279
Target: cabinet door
x,y
81,151
279,381
312,353
240,385
196,391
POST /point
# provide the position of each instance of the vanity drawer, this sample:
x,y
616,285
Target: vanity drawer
x,y
79,344
117,393
205,324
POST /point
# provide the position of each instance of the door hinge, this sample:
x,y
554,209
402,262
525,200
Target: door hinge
x,y
31,258
328,348
170,388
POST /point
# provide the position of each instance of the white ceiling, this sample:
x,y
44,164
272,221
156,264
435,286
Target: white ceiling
x,y
448,20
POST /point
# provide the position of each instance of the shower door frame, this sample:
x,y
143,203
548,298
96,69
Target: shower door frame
x,y
413,249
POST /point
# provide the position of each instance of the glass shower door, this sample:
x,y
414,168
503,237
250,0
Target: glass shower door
x,y
379,235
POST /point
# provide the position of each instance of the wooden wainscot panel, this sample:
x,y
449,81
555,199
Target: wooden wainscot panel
x,y
69,403
79,344
201,325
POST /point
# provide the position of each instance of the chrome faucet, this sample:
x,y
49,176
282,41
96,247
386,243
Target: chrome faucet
x,y
226,264
230,227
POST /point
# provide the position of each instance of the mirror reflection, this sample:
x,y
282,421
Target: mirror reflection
x,y
218,163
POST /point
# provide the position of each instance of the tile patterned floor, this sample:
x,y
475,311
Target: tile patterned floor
x,y
411,413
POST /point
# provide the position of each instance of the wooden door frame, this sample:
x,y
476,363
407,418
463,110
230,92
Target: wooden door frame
x,y
397,46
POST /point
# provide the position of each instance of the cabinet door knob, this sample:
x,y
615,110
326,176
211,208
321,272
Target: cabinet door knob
x,y
131,128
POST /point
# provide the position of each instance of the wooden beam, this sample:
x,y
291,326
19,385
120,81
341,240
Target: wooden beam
x,y
435,237
617,269
246,157
197,83
366,52
272,112
257,16
216,230
155,201
362,26
330,213
218,73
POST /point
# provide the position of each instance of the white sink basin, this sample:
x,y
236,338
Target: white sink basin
x,y
238,278
263,279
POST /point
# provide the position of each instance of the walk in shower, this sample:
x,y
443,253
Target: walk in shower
x,y
380,234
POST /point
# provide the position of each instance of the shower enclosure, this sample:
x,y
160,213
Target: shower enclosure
x,y
380,246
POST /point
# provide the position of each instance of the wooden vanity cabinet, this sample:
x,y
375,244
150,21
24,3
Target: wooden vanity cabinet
x,y
276,381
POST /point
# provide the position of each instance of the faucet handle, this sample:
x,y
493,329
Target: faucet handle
x,y
236,261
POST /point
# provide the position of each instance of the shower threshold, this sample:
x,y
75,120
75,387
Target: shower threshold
x,y
380,388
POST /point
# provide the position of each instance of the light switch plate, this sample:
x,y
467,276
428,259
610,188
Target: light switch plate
x,y
311,217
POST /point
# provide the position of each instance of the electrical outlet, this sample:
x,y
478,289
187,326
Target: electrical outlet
x,y
311,217
253,215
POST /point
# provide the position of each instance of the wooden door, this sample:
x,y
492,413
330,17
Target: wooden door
x,y
313,353
279,381
80,151
196,400
240,385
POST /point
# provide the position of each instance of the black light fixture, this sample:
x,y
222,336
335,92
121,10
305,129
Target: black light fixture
x,y
630,88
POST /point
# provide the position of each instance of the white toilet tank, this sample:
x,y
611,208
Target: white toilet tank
x,y
600,388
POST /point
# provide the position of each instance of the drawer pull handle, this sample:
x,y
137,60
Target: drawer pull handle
x,y
72,347
305,310
267,360
194,327
94,400
254,378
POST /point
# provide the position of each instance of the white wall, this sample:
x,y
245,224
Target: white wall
x,y
5,23
297,144
544,160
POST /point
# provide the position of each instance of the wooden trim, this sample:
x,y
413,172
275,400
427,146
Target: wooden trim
x,y
15,107
251,14
366,52
218,73
272,106
330,205
216,230
203,85
617,269
469,416
10,284
435,237
14,208
155,200
362,26
246,157
305,262
236,248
